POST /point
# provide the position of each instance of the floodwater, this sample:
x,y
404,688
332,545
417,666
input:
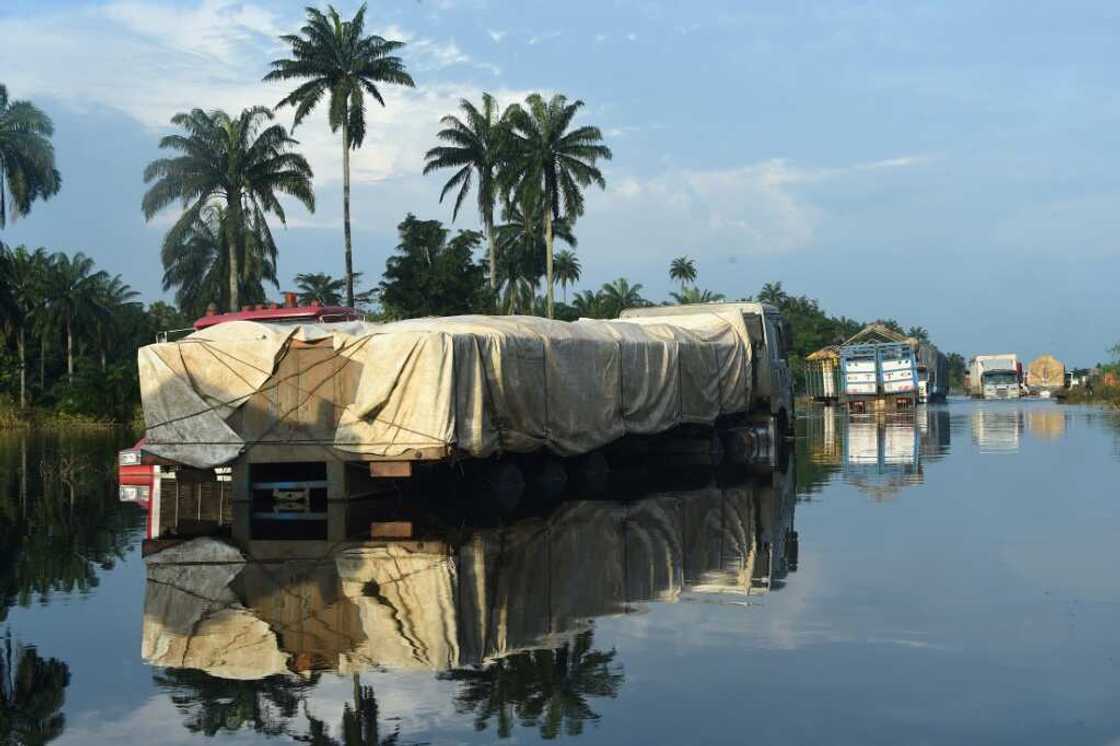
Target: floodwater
x,y
943,578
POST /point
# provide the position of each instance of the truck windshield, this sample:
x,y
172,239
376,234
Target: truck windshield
x,y
1000,378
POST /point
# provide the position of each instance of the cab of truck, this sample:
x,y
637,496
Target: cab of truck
x,y
771,341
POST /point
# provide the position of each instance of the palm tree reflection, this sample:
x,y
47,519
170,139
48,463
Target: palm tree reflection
x,y
547,689
32,693
212,704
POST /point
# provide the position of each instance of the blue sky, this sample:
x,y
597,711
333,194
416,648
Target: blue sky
x,y
953,165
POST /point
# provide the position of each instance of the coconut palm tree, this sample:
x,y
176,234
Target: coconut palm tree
x,y
239,165
548,159
24,272
475,150
197,264
696,295
337,59
619,295
71,292
683,270
565,267
321,288
27,170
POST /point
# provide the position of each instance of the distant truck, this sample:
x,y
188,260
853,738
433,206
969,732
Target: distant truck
x,y
933,373
995,376
878,376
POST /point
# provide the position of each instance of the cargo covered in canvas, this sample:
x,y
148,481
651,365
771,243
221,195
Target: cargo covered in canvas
x,y
471,385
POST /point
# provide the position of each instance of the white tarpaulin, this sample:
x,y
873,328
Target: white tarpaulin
x,y
477,385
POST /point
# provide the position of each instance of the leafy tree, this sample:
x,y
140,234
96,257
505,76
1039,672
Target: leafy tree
x,y
27,170
617,296
550,161
431,275
241,165
919,333
32,693
475,148
565,267
957,369
696,295
683,270
196,263
338,60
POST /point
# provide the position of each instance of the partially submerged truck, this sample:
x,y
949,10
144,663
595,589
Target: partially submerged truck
x,y
995,376
878,376
289,414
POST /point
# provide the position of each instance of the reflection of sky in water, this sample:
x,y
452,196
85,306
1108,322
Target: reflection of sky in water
x,y
978,606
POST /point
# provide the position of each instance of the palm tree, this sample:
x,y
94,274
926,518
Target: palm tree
x,y
773,294
549,160
683,270
619,295
567,270
919,333
476,147
110,295
239,165
71,291
317,287
337,59
522,251
696,295
589,304
197,264
24,273
27,170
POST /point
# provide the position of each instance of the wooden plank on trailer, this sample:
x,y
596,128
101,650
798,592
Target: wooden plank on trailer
x,y
390,469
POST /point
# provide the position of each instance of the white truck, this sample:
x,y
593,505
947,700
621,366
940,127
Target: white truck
x,y
994,376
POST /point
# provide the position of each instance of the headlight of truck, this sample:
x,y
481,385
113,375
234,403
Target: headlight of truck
x,y
130,493
131,457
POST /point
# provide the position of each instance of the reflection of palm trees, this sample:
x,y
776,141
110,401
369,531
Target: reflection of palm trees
x,y
360,726
32,692
212,704
548,689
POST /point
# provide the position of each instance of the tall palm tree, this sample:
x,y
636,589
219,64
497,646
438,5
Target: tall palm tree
x,y
24,273
683,270
336,58
27,170
196,264
239,165
110,295
549,159
619,295
565,267
475,150
71,291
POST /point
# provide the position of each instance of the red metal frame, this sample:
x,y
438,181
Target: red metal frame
x,y
280,313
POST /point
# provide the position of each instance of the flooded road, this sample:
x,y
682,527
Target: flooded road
x,y
942,578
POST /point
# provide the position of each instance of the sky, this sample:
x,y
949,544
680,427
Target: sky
x,y
953,165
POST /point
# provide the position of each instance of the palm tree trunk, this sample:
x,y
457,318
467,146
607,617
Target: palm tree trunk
x,y
235,231
548,255
346,214
22,342
488,224
70,349
43,360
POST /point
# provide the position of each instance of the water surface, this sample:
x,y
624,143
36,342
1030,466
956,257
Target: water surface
x,y
943,578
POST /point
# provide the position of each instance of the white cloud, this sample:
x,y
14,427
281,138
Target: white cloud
x,y
497,35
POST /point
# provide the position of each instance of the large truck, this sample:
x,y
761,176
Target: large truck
x,y
995,376
292,415
933,373
878,376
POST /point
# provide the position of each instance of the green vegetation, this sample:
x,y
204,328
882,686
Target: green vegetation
x,y
683,270
32,693
336,59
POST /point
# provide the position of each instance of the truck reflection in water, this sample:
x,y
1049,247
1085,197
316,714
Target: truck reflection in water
x,y
997,431
505,612
879,454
